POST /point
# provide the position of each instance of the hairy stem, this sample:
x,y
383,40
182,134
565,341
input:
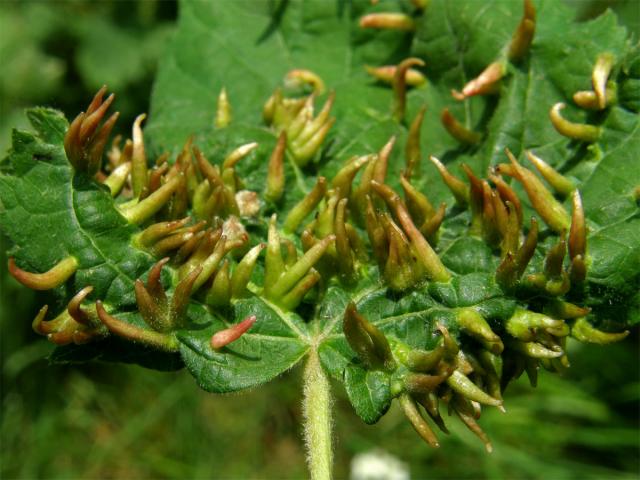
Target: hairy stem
x,y
317,419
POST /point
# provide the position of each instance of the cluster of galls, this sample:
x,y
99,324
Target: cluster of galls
x,y
486,83
463,379
208,249
294,117
466,379
402,234
200,253
427,378
475,372
211,259
602,96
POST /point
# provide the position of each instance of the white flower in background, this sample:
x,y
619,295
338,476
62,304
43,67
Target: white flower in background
x,y
378,465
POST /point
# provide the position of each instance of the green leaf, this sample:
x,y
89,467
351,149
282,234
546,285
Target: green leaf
x,y
369,392
50,214
248,48
274,344
468,255
325,38
606,172
552,74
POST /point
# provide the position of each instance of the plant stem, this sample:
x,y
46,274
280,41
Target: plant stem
x,y
317,419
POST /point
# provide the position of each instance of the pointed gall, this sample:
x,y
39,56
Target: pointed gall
x,y
274,264
302,119
528,248
388,21
203,251
424,361
367,340
225,337
83,142
292,299
576,131
381,163
555,257
305,206
511,232
458,188
600,75
490,227
242,273
145,209
472,323
421,384
138,158
430,227
465,412
171,243
98,142
561,184
476,201
457,130
412,152
400,86
400,271
484,84
181,296
343,180
418,204
534,350
212,263
578,270
223,110
154,314
461,384
238,154
160,341
588,99
157,231
343,248
74,308
506,273
299,77
410,409
54,277
507,194
583,331
542,200
386,74
303,153
578,231
376,233
434,268
523,36
565,310
294,274
220,292
523,324
116,180
312,127
275,171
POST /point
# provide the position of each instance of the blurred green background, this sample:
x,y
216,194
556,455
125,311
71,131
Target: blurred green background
x,y
119,421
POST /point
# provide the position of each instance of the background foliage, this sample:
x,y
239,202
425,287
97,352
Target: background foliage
x,y
117,421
